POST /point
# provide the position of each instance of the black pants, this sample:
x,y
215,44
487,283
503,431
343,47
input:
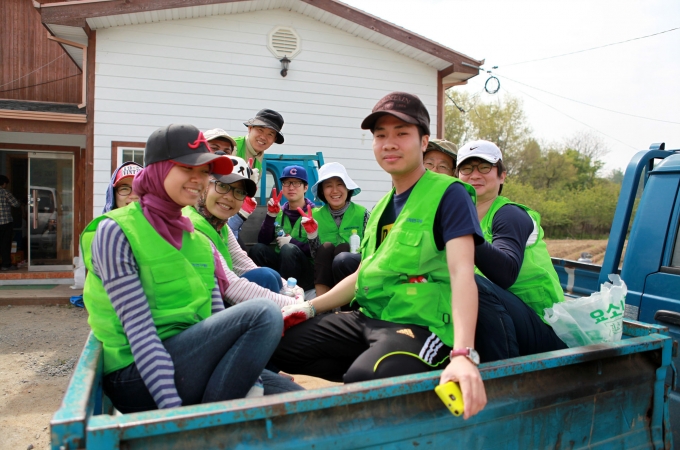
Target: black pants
x,y
289,262
334,263
6,231
350,347
507,327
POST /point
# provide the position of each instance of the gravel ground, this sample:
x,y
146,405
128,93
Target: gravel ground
x,y
39,345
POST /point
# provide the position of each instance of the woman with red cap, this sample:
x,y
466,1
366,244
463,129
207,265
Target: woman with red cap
x,y
120,192
155,289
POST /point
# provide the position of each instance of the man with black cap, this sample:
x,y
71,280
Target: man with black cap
x,y
263,130
415,286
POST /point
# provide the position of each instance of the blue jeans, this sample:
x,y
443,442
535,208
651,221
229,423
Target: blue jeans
x,y
266,278
289,262
217,359
507,327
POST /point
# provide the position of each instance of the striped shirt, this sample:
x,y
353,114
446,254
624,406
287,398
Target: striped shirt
x,y
114,263
241,289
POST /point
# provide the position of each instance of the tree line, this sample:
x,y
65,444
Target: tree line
x,y
563,181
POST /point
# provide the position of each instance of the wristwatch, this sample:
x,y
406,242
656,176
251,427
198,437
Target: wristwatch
x,y
469,352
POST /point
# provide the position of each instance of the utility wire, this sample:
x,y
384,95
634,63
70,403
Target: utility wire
x,y
589,49
579,121
40,84
588,104
23,76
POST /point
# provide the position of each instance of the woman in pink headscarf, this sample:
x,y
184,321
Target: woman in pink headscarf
x,y
155,288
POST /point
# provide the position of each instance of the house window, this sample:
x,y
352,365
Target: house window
x,y
133,154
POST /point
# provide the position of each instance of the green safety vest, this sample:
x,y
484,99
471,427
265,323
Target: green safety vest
x,y
241,152
177,283
353,219
220,239
296,230
382,289
537,283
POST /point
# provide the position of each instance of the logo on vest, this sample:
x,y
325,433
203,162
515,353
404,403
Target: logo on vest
x,y
406,332
199,265
194,145
412,220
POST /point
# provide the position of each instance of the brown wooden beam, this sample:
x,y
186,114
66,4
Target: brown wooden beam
x,y
45,116
41,126
87,160
30,147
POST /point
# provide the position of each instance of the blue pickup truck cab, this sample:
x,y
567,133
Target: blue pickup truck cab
x,y
651,266
610,395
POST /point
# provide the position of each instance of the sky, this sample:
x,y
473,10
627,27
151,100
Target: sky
x,y
641,77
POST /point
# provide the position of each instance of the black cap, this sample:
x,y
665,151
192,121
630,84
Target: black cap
x,y
268,118
401,105
184,145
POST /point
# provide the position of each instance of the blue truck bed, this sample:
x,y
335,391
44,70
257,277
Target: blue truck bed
x,y
601,396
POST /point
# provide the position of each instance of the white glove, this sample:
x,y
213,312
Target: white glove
x,y
255,176
295,314
283,240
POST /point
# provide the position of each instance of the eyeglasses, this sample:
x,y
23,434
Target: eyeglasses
x,y
223,188
441,167
295,184
123,191
483,168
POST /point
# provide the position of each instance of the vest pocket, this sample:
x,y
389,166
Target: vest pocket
x,y
408,257
170,287
413,303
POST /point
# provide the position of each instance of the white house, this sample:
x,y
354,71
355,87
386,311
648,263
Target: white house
x,y
215,63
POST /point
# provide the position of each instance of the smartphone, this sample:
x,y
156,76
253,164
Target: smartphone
x,y
450,394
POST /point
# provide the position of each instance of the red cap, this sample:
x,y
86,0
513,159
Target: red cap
x,y
127,171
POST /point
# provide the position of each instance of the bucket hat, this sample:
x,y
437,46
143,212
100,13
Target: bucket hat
x,y
330,170
268,118
219,133
184,145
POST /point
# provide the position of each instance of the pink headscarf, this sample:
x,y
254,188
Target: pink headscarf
x,y
164,215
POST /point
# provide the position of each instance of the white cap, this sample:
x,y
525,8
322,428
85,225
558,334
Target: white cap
x,y
485,150
218,133
334,169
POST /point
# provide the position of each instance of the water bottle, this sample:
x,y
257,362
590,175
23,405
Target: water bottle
x,y
289,287
278,230
354,242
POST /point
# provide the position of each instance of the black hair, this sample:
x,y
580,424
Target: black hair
x,y
3,180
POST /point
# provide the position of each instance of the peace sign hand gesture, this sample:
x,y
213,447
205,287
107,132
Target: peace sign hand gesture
x,y
274,204
308,222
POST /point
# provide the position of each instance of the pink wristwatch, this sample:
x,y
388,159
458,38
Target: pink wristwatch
x,y
469,352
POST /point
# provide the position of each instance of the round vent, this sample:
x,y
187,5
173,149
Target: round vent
x,y
284,41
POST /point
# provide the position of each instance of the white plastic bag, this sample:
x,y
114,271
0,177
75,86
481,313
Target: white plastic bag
x,y
591,320
78,272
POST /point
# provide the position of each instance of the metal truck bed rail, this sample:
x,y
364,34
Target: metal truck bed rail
x,y
599,396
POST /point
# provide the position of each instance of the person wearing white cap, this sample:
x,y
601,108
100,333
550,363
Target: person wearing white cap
x,y
331,226
515,276
219,140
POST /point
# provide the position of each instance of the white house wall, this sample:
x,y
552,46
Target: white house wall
x,y
218,72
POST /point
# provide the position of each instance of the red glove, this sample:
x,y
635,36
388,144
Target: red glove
x,y
274,204
308,222
295,314
248,207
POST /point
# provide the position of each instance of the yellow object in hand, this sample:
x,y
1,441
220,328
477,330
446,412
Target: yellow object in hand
x,y
450,394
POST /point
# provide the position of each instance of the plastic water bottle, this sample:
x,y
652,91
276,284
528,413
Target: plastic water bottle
x,y
278,230
354,242
291,289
